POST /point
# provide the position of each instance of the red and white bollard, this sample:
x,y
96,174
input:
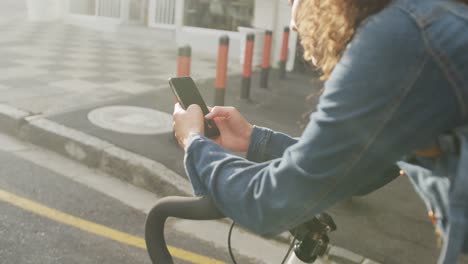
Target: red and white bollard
x,y
284,53
247,73
266,59
184,61
221,70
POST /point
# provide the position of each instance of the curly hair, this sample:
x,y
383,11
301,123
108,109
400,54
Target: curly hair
x,y
327,26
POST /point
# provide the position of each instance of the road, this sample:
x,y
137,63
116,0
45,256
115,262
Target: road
x,y
49,217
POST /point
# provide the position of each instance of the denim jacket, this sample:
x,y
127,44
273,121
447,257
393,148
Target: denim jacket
x,y
401,84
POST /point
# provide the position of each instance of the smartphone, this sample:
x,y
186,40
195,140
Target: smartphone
x,y
186,92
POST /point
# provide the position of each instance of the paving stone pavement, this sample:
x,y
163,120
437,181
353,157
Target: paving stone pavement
x,y
54,67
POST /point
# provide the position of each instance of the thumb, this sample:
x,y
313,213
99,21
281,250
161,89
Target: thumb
x,y
218,111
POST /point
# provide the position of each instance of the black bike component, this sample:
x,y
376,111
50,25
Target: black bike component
x,y
291,246
229,243
312,237
194,208
232,255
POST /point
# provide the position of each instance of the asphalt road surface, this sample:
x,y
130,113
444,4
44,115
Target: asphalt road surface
x,y
48,218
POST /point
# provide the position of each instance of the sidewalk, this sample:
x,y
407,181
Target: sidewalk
x,y
89,96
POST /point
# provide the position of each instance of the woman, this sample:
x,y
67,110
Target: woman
x,y
396,82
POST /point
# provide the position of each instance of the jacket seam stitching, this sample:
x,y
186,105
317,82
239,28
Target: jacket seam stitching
x,y
433,54
450,73
452,10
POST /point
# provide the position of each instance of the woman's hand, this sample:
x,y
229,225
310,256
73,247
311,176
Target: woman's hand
x,y
235,130
187,122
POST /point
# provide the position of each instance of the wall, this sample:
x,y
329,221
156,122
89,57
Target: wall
x,y
275,15
283,18
204,40
82,7
207,40
44,10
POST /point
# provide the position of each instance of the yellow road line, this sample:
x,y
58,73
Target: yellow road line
x,y
97,229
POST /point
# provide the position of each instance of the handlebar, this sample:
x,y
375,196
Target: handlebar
x,y
193,208
312,236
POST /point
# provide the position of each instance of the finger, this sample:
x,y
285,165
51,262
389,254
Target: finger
x,y
178,108
217,121
219,111
194,108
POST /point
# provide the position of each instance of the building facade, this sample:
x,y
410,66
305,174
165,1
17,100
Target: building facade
x,y
198,23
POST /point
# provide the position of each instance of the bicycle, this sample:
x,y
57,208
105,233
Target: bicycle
x,y
310,238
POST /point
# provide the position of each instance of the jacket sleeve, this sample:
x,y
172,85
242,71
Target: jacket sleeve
x,y
266,144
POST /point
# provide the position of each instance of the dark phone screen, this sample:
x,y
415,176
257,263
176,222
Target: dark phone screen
x,y
187,93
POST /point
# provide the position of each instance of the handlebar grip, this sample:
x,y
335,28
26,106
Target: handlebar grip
x,y
193,208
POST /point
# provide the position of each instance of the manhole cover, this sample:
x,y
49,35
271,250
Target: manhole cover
x,y
131,120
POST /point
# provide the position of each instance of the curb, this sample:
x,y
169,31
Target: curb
x,y
93,152
125,165
11,119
